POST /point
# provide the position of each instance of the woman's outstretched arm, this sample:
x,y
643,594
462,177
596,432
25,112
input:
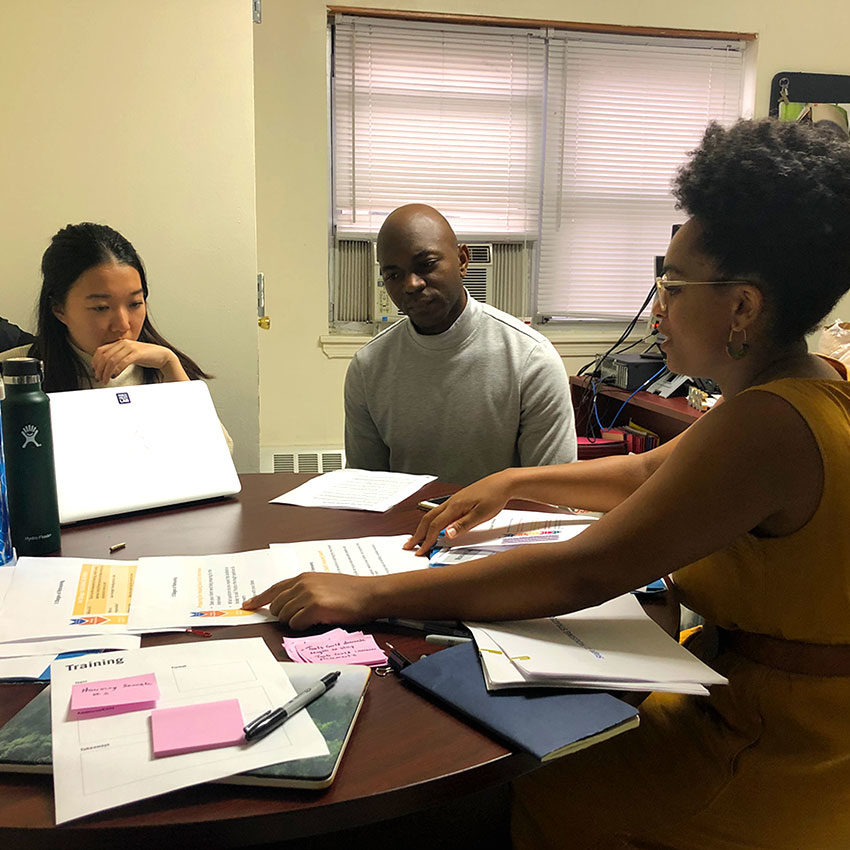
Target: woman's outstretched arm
x,y
753,461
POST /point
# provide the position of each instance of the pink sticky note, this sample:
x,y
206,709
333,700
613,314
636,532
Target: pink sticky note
x,y
114,696
203,726
292,649
336,647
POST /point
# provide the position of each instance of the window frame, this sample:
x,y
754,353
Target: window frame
x,y
548,27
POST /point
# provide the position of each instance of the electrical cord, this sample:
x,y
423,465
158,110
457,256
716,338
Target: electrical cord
x,y
623,336
589,396
646,383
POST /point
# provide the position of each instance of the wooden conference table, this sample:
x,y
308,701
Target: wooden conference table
x,y
409,768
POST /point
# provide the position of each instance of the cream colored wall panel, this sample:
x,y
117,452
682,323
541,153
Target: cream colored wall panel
x,y
139,114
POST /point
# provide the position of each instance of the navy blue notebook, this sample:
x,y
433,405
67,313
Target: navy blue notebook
x,y
547,724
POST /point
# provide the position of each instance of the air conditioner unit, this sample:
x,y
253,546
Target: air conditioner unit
x,y
479,271
477,282
384,311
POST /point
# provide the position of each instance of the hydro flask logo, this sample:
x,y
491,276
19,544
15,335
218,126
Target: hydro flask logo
x,y
29,433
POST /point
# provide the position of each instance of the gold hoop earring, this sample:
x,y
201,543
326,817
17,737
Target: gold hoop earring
x,y
737,353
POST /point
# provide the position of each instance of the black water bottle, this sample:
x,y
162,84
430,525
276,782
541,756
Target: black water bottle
x,y
30,471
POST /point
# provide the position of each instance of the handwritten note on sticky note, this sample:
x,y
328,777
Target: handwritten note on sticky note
x,y
203,726
114,696
335,647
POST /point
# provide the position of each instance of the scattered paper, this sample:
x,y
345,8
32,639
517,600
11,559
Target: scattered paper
x,y
444,557
506,530
103,762
200,590
6,573
337,646
71,597
501,673
65,597
358,556
355,489
36,667
59,599
26,667
70,644
519,528
613,645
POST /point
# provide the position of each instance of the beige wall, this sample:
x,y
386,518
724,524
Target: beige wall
x,y
139,114
300,387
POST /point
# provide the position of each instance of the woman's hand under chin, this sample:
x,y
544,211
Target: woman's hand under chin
x,y
110,360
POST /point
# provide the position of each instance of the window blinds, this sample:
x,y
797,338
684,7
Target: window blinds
x,y
568,141
621,118
447,116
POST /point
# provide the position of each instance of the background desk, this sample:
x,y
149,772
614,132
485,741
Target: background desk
x,y
407,758
667,417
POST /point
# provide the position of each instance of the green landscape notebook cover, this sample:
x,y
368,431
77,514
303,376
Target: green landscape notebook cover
x,y
25,739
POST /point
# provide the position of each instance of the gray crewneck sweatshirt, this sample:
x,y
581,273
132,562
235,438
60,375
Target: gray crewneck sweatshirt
x,y
488,393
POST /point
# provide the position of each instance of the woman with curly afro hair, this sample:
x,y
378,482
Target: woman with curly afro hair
x,y
747,511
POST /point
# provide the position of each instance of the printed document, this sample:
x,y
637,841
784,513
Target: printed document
x,y
519,528
614,645
105,761
200,590
359,556
6,574
24,668
501,673
355,489
32,659
66,597
88,643
71,597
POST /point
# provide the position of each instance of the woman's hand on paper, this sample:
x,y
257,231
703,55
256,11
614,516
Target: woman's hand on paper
x,y
313,598
466,509
110,360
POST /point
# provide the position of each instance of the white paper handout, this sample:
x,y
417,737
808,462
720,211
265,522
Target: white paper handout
x,y
30,659
613,645
358,556
71,597
509,529
66,597
24,667
7,572
105,761
57,646
200,590
355,489
501,673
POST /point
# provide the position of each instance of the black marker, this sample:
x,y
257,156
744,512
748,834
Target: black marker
x,y
271,719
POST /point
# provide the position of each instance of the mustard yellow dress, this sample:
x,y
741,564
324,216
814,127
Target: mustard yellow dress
x,y
764,762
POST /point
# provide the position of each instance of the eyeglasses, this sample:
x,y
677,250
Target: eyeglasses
x,y
663,287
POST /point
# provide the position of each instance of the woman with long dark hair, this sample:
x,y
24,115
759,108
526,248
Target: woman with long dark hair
x,y
93,325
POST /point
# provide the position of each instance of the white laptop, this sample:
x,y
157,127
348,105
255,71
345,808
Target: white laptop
x,y
130,448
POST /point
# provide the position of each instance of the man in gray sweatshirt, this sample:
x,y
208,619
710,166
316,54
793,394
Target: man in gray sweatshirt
x,y
456,389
